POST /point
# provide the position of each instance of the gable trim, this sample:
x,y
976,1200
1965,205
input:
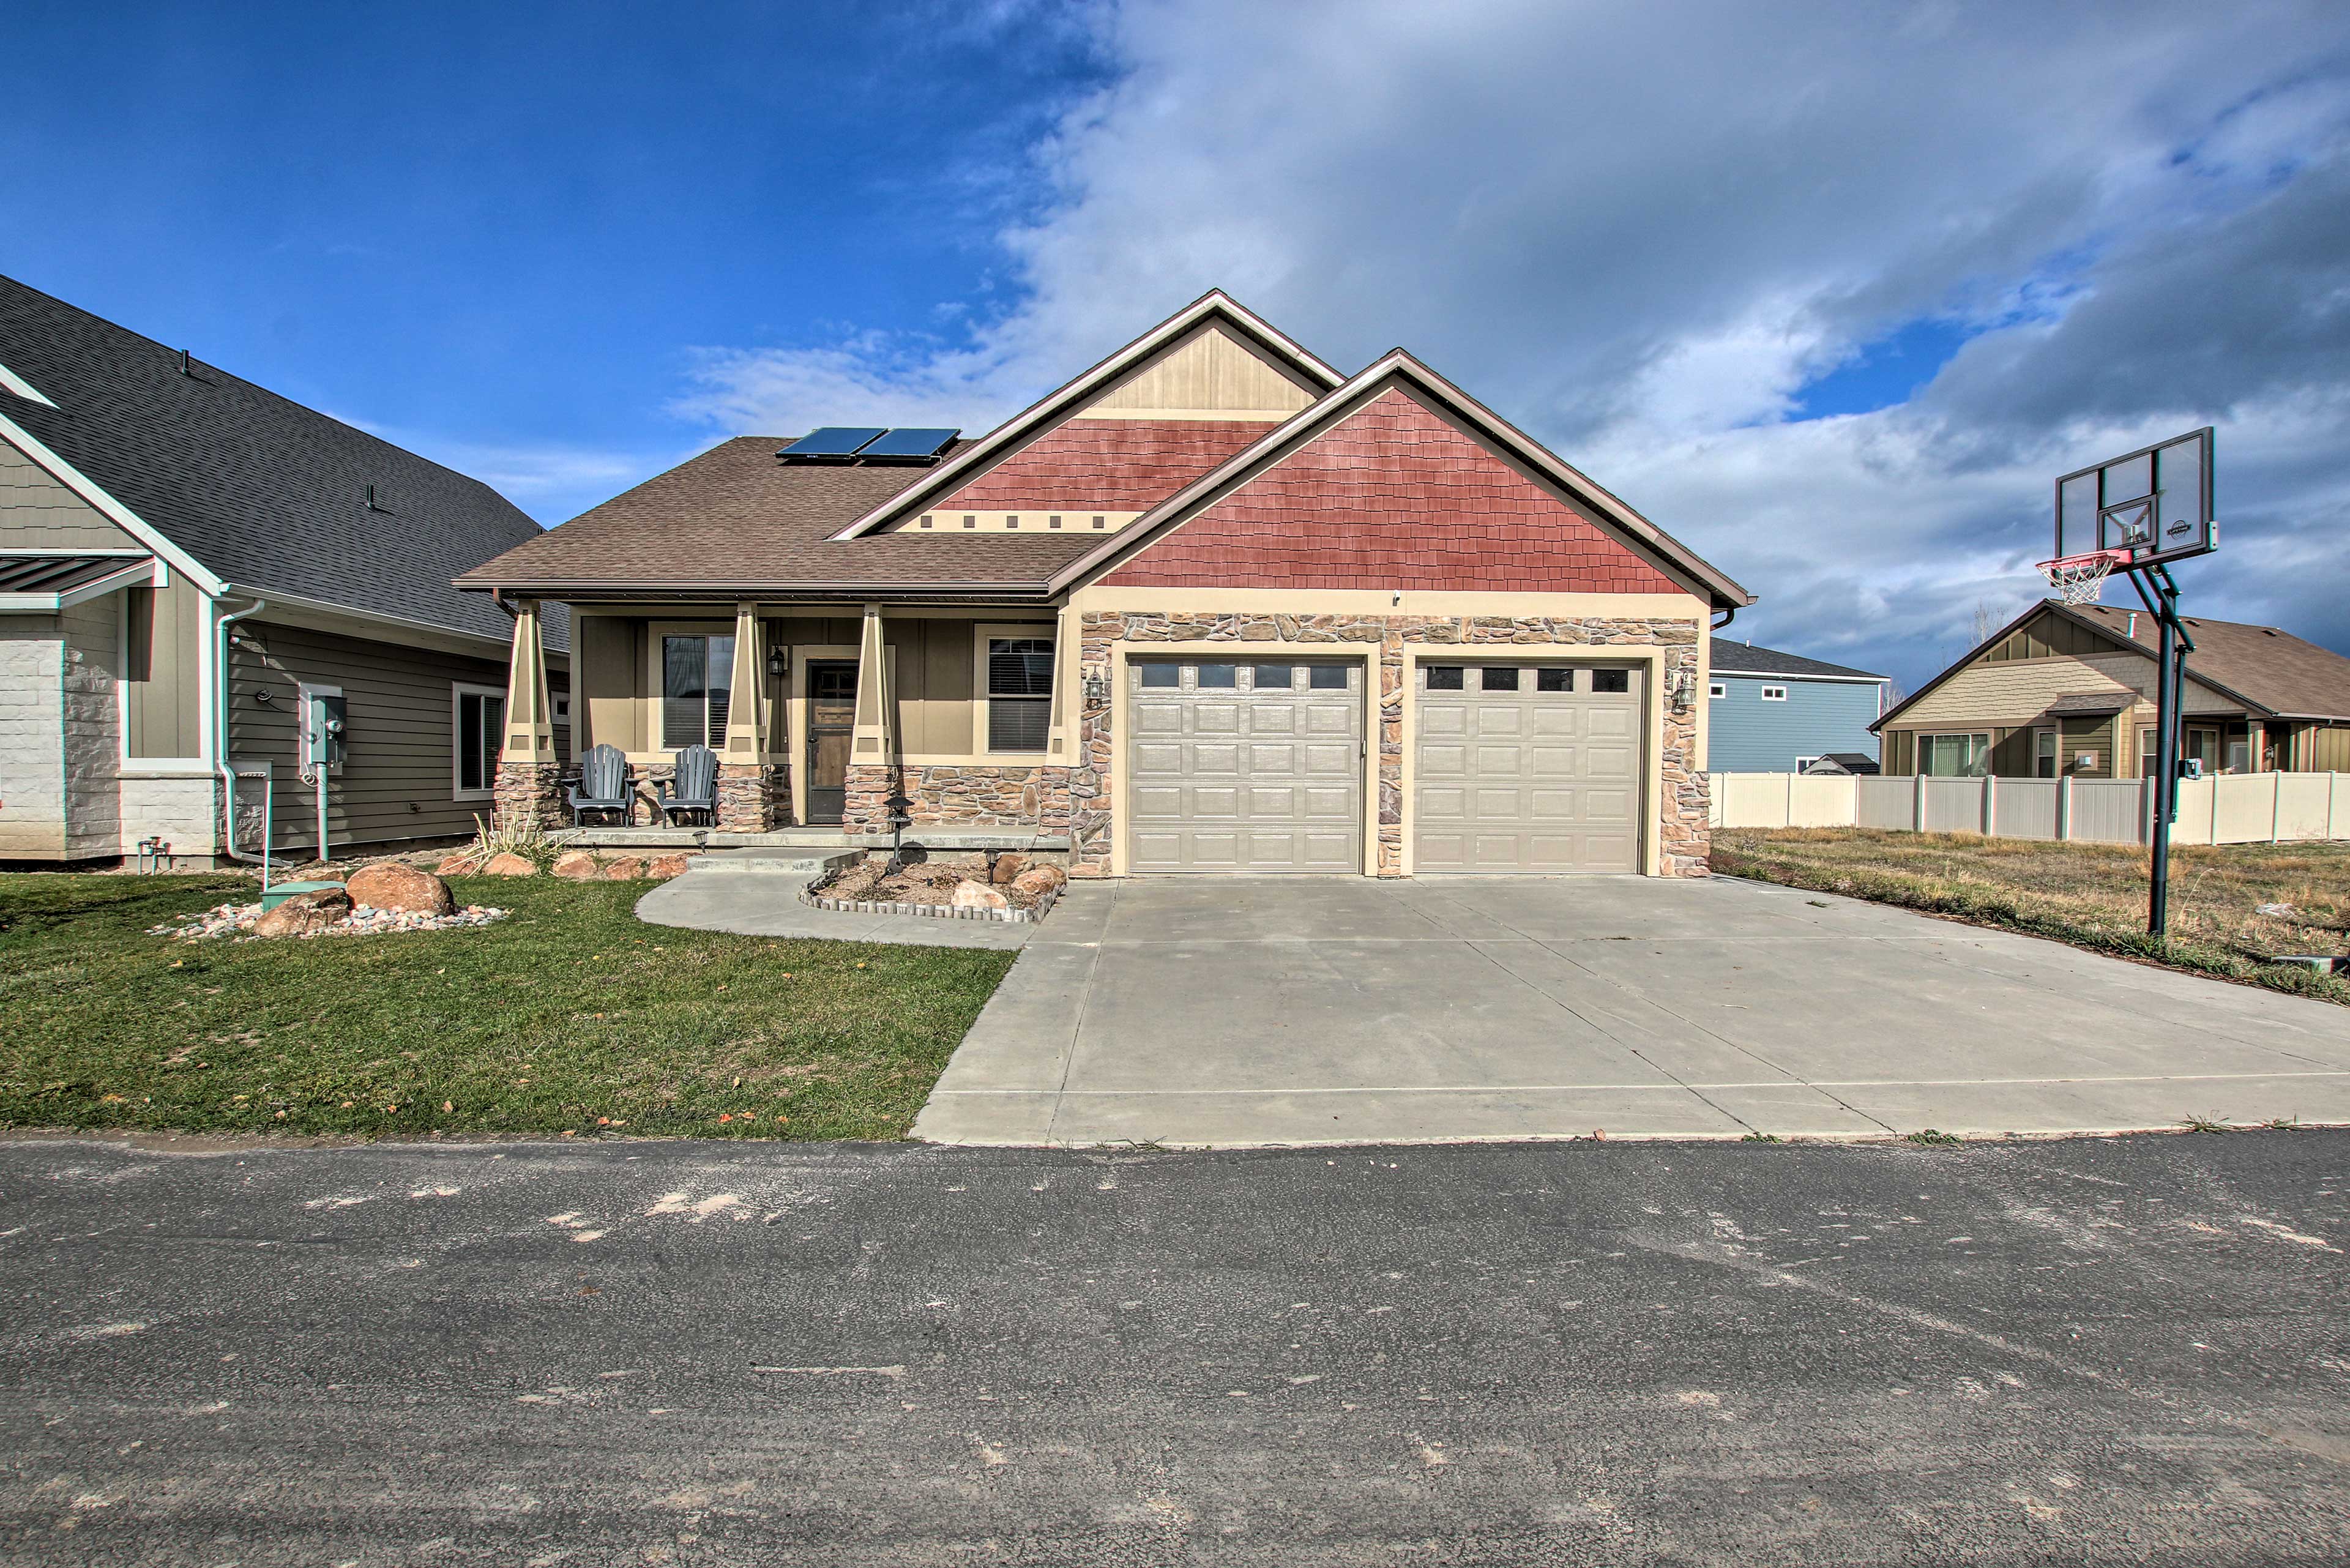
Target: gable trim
x,y
11,381
121,516
1398,367
1071,394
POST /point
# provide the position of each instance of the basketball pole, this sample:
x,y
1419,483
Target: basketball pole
x,y
2169,690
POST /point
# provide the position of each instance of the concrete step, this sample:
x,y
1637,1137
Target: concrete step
x,y
776,861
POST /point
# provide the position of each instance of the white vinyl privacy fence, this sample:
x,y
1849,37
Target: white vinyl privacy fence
x,y
2229,808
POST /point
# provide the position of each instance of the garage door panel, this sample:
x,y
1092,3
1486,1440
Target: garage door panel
x,y
1235,779
1539,775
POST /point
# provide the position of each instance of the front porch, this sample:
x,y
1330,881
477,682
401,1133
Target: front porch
x,y
831,730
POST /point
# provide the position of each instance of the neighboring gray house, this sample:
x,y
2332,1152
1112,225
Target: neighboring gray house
x,y
189,563
1772,713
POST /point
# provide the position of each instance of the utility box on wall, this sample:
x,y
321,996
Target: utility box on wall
x,y
325,723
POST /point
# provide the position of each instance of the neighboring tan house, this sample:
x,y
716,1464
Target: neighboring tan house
x,y
1210,607
189,563
2067,691
1772,713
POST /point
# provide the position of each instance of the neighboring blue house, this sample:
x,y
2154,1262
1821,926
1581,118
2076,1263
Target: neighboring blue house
x,y
1774,712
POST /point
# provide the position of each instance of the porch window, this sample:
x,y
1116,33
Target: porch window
x,y
696,677
1019,692
1954,756
2043,753
479,713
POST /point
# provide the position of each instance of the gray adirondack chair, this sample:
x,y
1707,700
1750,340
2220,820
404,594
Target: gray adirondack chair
x,y
695,787
602,786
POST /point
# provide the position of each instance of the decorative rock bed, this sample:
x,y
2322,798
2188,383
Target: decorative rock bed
x,y
1009,889
238,923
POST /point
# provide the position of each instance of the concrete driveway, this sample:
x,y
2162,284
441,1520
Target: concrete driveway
x,y
1235,1011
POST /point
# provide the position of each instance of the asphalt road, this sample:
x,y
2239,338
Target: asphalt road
x,y
2128,1351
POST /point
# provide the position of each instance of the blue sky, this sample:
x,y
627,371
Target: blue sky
x,y
1830,295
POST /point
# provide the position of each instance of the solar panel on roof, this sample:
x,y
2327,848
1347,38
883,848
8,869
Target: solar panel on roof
x,y
833,441
909,445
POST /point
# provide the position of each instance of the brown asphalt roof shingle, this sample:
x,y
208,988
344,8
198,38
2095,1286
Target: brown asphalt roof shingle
x,y
735,520
2275,669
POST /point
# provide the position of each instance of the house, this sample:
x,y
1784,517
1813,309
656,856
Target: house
x,y
1772,713
1209,606
2068,690
196,574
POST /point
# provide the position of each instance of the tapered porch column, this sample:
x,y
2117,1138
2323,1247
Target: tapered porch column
x,y
527,791
746,789
872,774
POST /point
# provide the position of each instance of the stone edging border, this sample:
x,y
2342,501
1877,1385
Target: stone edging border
x,y
931,911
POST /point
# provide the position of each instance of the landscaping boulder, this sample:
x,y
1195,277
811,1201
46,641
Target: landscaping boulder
x,y
461,864
304,913
579,864
624,868
510,865
1008,867
404,889
662,867
979,896
1039,880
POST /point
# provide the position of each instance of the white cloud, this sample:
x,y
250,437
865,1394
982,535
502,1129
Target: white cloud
x,y
1640,231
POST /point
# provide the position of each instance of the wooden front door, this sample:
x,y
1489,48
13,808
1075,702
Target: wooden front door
x,y
831,729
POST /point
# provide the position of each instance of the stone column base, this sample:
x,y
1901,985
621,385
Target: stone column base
x,y
529,794
747,795
865,797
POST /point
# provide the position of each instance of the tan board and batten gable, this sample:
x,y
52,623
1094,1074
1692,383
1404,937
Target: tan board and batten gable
x,y
1239,562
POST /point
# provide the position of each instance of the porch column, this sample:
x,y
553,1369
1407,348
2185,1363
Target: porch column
x,y
2255,737
872,776
526,790
746,790
1064,666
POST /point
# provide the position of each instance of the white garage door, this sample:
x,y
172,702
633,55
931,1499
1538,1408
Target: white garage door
x,y
1527,767
1244,767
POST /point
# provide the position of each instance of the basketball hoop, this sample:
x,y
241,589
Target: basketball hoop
x,y
2081,579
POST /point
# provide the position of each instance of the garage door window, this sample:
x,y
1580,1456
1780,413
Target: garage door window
x,y
1269,677
1219,677
1325,678
1161,677
1554,679
1444,677
1500,678
1617,680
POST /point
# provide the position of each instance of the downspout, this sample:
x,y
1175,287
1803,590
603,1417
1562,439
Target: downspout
x,y
1727,616
220,747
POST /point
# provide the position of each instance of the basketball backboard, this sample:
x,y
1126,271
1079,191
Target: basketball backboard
x,y
2155,503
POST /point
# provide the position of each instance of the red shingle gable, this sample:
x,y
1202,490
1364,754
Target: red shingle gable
x,y
1392,497
1122,465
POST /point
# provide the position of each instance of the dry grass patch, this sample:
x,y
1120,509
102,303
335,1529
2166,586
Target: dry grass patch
x,y
2091,895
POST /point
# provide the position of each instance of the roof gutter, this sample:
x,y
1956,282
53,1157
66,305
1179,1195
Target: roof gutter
x,y
739,588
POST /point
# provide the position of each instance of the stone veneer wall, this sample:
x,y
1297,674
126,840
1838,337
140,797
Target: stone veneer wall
x,y
959,796
748,794
89,714
1681,812
530,792
32,756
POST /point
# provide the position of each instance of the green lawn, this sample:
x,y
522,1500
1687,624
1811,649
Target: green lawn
x,y
569,1015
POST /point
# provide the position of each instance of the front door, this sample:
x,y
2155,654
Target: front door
x,y
831,729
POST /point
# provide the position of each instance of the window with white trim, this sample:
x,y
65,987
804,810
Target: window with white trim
x,y
478,717
2043,753
1775,693
1019,694
1954,756
697,689
1717,689
1803,762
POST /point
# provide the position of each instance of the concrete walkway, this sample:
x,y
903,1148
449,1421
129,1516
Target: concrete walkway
x,y
1237,1012
757,903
